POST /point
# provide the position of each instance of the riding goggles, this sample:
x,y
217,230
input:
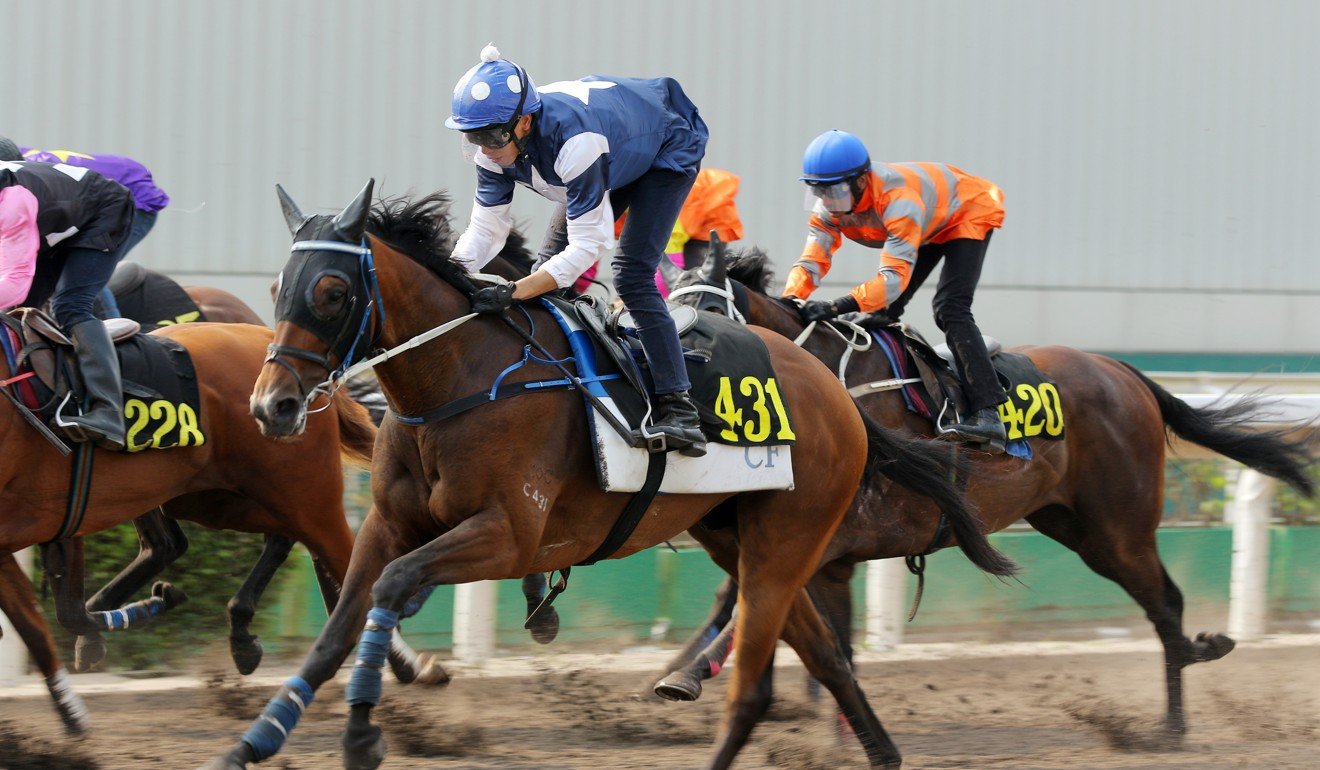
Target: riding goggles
x,y
836,197
492,137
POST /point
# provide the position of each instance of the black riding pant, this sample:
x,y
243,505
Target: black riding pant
x,y
962,259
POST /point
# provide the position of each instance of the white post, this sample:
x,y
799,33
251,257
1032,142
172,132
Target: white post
x,y
886,584
474,621
13,655
1249,586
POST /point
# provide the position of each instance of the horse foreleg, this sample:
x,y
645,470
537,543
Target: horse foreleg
x,y
19,602
688,663
684,683
543,625
244,646
477,549
374,548
825,659
160,543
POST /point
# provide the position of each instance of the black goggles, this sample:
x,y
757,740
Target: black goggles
x,y
492,137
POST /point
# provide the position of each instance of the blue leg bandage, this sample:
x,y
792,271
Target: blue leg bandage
x,y
364,684
136,613
267,735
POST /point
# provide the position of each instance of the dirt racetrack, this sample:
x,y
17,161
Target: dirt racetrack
x,y
1025,707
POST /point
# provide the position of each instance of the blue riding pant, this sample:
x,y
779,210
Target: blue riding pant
x,y
653,203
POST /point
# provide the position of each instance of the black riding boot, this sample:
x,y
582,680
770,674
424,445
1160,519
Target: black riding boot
x,y
102,418
676,417
981,391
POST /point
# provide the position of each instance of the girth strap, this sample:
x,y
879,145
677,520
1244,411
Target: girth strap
x,y
632,512
80,488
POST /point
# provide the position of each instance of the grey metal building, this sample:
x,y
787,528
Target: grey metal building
x,y
1158,158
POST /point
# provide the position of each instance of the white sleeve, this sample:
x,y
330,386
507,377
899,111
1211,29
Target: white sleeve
x,y
485,235
581,164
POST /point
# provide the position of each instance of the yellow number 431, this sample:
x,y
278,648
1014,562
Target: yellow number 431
x,y
753,394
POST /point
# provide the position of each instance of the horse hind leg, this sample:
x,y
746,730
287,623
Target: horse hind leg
x,y
160,543
826,661
244,647
1134,564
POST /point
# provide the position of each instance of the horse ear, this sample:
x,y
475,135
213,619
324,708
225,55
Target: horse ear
x,y
669,271
293,216
352,221
718,269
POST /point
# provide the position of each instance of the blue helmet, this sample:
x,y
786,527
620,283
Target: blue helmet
x,y
494,92
833,157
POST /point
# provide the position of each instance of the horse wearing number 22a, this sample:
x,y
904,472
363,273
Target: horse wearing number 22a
x,y
448,495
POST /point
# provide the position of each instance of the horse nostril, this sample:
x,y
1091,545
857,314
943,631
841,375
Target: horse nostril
x,y
286,407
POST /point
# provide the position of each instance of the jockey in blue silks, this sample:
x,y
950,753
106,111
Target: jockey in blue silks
x,y
596,146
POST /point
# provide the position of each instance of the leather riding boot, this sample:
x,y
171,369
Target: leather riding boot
x,y
102,417
676,417
984,427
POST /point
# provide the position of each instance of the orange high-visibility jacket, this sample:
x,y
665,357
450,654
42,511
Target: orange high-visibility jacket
x,y
904,206
710,205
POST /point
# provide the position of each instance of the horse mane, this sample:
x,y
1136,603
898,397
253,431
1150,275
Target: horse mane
x,y
751,268
516,251
421,230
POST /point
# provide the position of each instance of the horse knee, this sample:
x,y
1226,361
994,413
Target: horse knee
x,y
394,587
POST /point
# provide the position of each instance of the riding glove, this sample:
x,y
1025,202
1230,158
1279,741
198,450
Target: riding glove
x,y
493,299
820,310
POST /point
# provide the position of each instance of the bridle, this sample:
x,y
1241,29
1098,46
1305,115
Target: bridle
x,y
347,349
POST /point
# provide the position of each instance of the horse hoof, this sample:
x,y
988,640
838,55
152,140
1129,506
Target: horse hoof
x,y
88,653
173,596
246,654
1212,646
430,672
679,686
227,762
545,627
365,751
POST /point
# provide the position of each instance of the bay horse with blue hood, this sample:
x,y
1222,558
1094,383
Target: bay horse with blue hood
x,y
450,497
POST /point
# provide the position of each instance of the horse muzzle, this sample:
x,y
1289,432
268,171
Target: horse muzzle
x,y
279,415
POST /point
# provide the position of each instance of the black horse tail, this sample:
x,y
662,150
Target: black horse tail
x,y
929,468
1224,430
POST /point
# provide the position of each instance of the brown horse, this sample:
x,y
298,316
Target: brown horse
x,y
161,540
451,496
238,479
1099,491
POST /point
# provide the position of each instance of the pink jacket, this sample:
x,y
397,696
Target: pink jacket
x,y
19,239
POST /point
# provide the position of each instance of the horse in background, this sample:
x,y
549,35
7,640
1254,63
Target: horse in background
x,y
1098,492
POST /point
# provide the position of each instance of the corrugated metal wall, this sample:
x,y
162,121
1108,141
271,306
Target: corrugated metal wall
x,y
1142,146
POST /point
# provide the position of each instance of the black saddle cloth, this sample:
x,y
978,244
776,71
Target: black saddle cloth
x,y
150,298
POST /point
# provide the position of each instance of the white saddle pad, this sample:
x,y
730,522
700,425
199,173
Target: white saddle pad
x,y
725,468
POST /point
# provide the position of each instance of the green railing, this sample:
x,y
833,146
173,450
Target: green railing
x,y
660,593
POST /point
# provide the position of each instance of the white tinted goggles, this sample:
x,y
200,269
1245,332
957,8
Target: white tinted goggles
x,y
836,197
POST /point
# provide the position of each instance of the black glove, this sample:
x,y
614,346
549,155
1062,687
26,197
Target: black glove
x,y
493,299
820,310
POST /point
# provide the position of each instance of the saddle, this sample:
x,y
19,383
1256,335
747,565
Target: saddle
x,y
162,402
615,332
1033,410
48,351
734,385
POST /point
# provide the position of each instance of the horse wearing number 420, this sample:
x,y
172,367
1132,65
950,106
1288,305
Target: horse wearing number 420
x,y
450,497
1098,491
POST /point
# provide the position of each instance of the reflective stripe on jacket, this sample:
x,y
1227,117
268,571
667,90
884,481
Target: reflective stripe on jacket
x,y
904,206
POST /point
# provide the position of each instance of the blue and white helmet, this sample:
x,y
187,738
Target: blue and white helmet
x,y
494,92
